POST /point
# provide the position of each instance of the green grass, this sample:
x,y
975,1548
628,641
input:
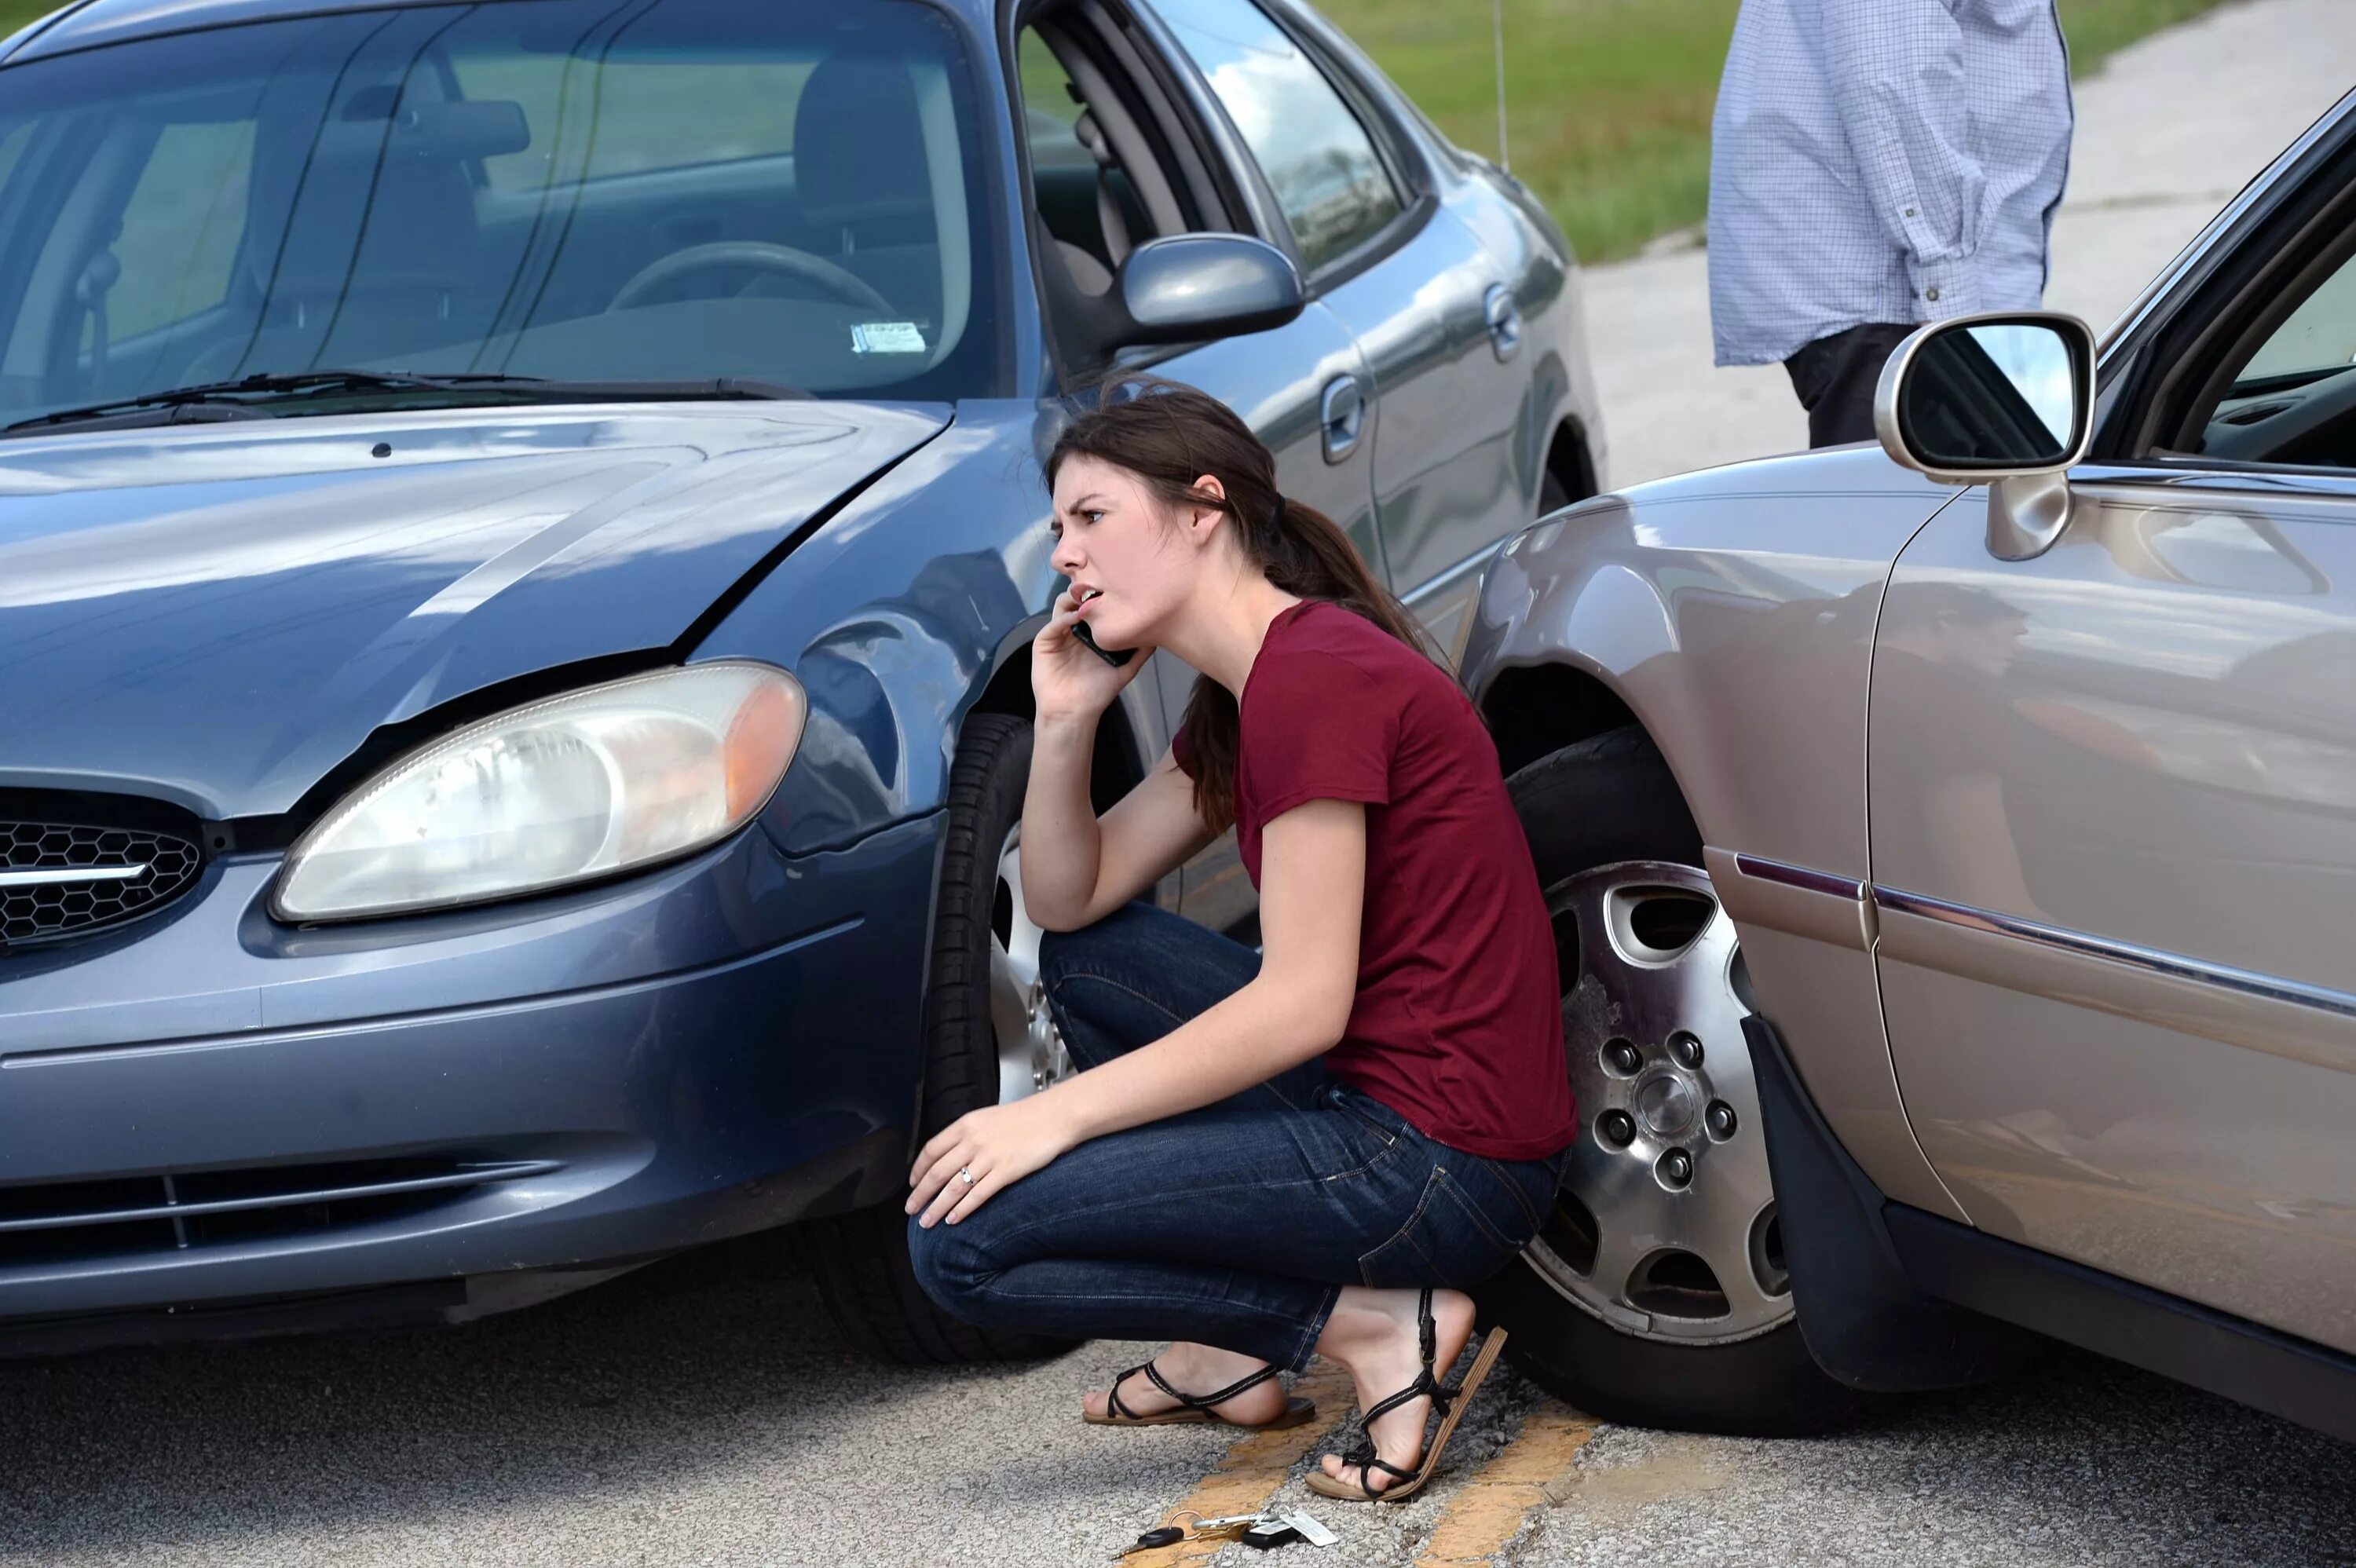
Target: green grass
x,y
1608,99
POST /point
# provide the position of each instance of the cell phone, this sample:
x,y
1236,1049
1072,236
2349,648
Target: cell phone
x,y
1113,656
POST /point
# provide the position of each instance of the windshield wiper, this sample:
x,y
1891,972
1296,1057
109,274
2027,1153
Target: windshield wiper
x,y
228,394
257,396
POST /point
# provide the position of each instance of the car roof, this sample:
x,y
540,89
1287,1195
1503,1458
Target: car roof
x,y
93,22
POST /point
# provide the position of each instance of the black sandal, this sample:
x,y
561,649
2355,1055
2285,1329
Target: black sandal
x,y
1447,1400
1194,1409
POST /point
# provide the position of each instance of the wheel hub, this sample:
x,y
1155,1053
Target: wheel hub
x,y
1668,1104
1665,1224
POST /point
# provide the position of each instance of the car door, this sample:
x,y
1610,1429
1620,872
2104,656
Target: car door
x,y
1429,305
1302,387
2113,817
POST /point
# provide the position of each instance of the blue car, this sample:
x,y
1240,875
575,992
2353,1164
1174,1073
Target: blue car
x,y
519,536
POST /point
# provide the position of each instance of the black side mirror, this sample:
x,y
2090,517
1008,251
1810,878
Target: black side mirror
x,y
1186,288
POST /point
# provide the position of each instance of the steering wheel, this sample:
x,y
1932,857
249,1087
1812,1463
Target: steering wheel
x,y
847,287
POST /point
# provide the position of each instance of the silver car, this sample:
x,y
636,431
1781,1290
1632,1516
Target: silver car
x,y
1952,851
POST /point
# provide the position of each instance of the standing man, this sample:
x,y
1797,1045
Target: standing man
x,y
1874,165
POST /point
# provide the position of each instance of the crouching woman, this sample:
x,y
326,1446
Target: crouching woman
x,y
1312,1148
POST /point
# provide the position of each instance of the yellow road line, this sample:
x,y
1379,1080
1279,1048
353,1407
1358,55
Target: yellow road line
x,y
1255,1467
1489,1508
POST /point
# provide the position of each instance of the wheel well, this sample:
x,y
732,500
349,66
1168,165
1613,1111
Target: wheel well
x,y
1569,462
1535,710
1115,768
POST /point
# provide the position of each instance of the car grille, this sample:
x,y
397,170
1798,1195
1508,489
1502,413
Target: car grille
x,y
69,876
54,1221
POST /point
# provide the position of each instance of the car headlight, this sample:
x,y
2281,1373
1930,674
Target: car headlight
x,y
583,785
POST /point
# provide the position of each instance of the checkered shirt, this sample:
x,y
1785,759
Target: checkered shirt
x,y
1882,161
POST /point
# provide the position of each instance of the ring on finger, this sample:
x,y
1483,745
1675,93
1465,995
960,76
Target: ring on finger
x,y
965,1173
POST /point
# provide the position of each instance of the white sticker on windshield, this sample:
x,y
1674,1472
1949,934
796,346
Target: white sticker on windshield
x,y
887,338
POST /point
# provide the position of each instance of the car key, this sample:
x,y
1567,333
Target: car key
x,y
1269,1533
1194,1530
1113,656
1168,1535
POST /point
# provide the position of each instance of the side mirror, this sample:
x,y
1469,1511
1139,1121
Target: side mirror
x,y
2008,398
1186,288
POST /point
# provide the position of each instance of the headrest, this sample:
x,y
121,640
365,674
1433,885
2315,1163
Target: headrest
x,y
859,147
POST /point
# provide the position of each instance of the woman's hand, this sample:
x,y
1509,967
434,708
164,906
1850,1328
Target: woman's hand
x,y
999,1145
1068,681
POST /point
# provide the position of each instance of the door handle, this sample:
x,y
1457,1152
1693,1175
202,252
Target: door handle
x,y
1342,413
1504,319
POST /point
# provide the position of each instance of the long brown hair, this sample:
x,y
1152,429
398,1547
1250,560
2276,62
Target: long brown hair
x,y
1168,435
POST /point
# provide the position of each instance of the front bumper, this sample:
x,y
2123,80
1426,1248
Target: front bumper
x,y
211,1108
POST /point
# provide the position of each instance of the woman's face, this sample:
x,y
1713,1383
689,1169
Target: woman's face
x,y
1131,562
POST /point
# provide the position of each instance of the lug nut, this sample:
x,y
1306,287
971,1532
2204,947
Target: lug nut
x,y
1721,1120
1617,1128
1622,1058
1674,1168
1685,1049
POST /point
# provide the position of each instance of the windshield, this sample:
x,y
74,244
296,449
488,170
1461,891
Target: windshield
x,y
669,190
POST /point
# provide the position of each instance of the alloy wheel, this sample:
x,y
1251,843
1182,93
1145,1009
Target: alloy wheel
x,y
1665,1224
1031,1053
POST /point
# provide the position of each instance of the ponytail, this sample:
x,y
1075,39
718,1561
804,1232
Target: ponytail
x,y
1169,435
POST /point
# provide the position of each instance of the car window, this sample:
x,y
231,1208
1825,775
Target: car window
x,y
677,190
180,227
12,148
1328,178
1051,109
1091,211
653,114
2292,400
2319,335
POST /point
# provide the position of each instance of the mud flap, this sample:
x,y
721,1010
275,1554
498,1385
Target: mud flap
x,y
1861,1316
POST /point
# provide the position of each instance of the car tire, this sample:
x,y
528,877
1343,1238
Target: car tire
x,y
861,1258
1590,810
1553,494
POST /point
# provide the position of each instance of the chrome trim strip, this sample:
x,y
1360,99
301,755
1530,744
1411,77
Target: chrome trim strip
x,y
2148,960
1799,877
70,874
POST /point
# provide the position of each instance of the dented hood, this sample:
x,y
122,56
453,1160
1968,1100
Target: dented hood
x,y
221,614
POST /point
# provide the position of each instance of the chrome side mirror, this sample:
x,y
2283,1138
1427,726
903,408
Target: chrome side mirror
x,y
2007,398
1187,288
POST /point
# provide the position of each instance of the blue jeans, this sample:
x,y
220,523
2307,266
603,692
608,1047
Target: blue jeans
x,y
1235,1225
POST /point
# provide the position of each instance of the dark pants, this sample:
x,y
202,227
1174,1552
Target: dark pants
x,y
1836,376
1235,1225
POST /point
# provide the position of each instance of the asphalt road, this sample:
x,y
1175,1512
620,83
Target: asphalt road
x,y
705,1411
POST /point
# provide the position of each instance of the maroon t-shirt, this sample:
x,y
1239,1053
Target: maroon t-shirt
x,y
1458,1024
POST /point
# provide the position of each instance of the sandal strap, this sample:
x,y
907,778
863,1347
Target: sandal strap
x,y
1422,1386
1202,1402
1364,1459
1247,1381
1112,1395
1441,1394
